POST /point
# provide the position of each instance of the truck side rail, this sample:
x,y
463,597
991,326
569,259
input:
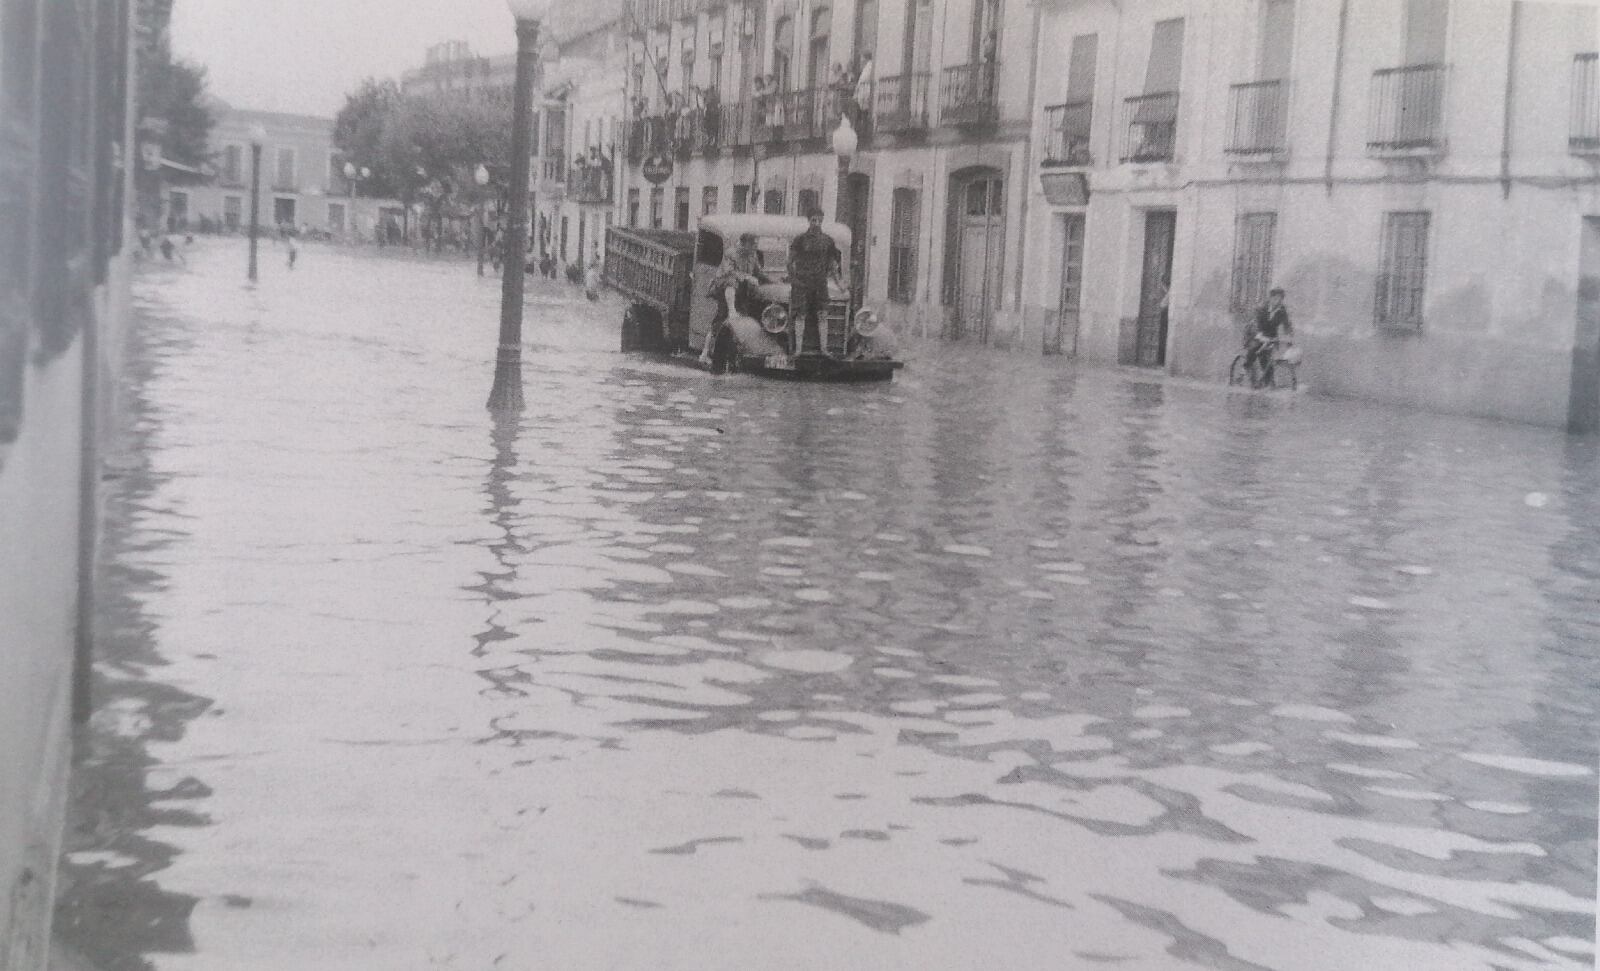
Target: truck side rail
x,y
651,267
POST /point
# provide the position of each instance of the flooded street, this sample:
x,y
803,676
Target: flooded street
x,y
1009,663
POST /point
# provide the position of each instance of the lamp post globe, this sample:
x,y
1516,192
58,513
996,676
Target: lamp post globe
x,y
257,135
350,170
528,9
481,175
844,146
506,395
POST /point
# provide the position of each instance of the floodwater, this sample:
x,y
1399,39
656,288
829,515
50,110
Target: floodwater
x,y
1011,663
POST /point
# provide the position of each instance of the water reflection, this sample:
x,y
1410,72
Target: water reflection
x,y
998,663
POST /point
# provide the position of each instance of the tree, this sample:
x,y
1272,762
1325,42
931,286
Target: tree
x,y
174,91
358,131
431,146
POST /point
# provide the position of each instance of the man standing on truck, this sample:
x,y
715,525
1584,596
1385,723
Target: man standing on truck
x,y
813,260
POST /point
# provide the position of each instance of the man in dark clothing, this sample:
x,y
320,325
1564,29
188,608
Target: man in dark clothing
x,y
813,260
1271,323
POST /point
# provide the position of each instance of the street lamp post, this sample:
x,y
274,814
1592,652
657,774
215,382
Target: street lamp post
x,y
481,176
506,394
844,146
258,135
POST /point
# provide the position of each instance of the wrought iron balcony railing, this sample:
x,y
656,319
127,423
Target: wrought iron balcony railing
x,y
1067,127
791,116
1256,118
968,94
1152,133
1407,111
1583,133
735,125
901,103
591,183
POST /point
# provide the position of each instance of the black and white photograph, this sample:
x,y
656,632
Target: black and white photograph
x,y
799,485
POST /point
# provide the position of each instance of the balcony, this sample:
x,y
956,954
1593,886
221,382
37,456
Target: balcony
x,y
552,171
1152,134
1583,133
734,126
1066,138
792,116
967,94
1407,110
1256,115
900,104
591,183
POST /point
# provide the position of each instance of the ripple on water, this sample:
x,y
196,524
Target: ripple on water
x,y
806,661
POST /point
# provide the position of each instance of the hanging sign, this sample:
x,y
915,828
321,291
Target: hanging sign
x,y
656,169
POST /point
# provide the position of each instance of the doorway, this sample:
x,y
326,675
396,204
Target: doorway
x,y
1150,343
1583,402
283,212
977,218
1069,301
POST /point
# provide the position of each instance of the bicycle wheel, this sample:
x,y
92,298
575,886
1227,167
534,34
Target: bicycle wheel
x,y
1237,374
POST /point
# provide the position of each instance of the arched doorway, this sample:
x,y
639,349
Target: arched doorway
x,y
974,250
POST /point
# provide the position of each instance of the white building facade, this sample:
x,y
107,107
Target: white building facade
x,y
932,192
302,180
1420,175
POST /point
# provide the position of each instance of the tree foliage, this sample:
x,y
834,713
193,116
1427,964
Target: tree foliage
x,y
173,90
358,131
423,149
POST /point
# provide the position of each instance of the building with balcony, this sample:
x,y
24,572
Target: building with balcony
x,y
742,98
1421,176
302,179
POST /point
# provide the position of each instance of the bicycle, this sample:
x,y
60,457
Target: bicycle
x,y
1275,361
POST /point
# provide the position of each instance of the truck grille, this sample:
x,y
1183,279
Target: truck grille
x,y
836,329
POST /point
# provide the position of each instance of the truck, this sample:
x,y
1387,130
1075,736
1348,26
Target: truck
x,y
666,275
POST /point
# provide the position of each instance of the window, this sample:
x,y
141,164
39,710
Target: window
x,y
821,29
336,216
1277,39
741,198
680,207
708,200
866,29
1252,259
233,164
231,207
1072,266
335,170
285,167
1426,24
904,225
772,202
1402,270
633,208
807,201
783,51
658,203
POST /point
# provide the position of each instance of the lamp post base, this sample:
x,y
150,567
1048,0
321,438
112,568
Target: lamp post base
x,y
506,395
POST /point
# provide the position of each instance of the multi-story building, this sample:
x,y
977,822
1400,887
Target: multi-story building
x,y
302,178
744,97
1421,176
65,193
579,131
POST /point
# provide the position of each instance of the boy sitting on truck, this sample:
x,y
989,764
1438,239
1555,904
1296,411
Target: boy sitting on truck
x,y
740,267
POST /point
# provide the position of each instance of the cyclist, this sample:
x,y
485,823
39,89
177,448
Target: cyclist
x,y
1271,325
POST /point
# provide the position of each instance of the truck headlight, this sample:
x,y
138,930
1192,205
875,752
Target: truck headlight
x,y
866,322
775,319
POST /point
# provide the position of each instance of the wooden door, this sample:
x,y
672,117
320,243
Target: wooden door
x,y
981,238
1156,279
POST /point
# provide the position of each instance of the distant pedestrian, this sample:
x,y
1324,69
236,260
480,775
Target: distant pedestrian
x,y
293,252
591,279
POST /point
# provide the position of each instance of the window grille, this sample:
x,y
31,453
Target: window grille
x,y
1252,259
1402,270
904,226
